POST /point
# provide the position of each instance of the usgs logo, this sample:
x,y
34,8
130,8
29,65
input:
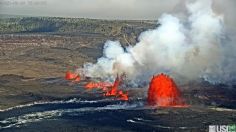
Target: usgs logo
x,y
222,128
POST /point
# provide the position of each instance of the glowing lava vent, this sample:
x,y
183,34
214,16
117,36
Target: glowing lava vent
x,y
72,76
164,92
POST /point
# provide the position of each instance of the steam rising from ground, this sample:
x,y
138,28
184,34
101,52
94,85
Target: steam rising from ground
x,y
189,48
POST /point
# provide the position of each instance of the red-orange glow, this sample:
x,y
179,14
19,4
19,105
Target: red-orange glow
x,y
109,88
114,88
102,85
70,76
123,96
118,93
77,79
164,92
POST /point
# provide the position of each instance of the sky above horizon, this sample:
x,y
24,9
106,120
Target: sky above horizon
x,y
104,9
111,9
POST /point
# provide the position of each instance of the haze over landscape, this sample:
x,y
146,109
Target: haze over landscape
x,y
115,9
117,65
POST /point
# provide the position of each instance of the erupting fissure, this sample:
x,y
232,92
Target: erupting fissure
x,y
164,92
114,91
109,88
162,89
102,85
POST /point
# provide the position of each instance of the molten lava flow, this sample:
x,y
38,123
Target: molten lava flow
x,y
164,92
114,88
115,92
90,85
72,76
110,89
77,79
123,96
102,85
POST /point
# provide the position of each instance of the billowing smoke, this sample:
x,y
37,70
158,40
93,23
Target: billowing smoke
x,y
190,48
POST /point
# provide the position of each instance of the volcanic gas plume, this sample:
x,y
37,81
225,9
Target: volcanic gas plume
x,y
109,88
187,48
114,91
101,85
164,92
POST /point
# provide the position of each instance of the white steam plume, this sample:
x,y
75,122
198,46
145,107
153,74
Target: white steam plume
x,y
189,48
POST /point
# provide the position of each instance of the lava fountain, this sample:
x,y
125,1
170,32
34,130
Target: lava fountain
x,y
114,91
109,88
114,88
164,92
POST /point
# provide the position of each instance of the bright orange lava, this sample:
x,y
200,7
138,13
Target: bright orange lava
x,y
102,85
110,89
118,93
77,79
164,92
72,76
123,96
114,88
